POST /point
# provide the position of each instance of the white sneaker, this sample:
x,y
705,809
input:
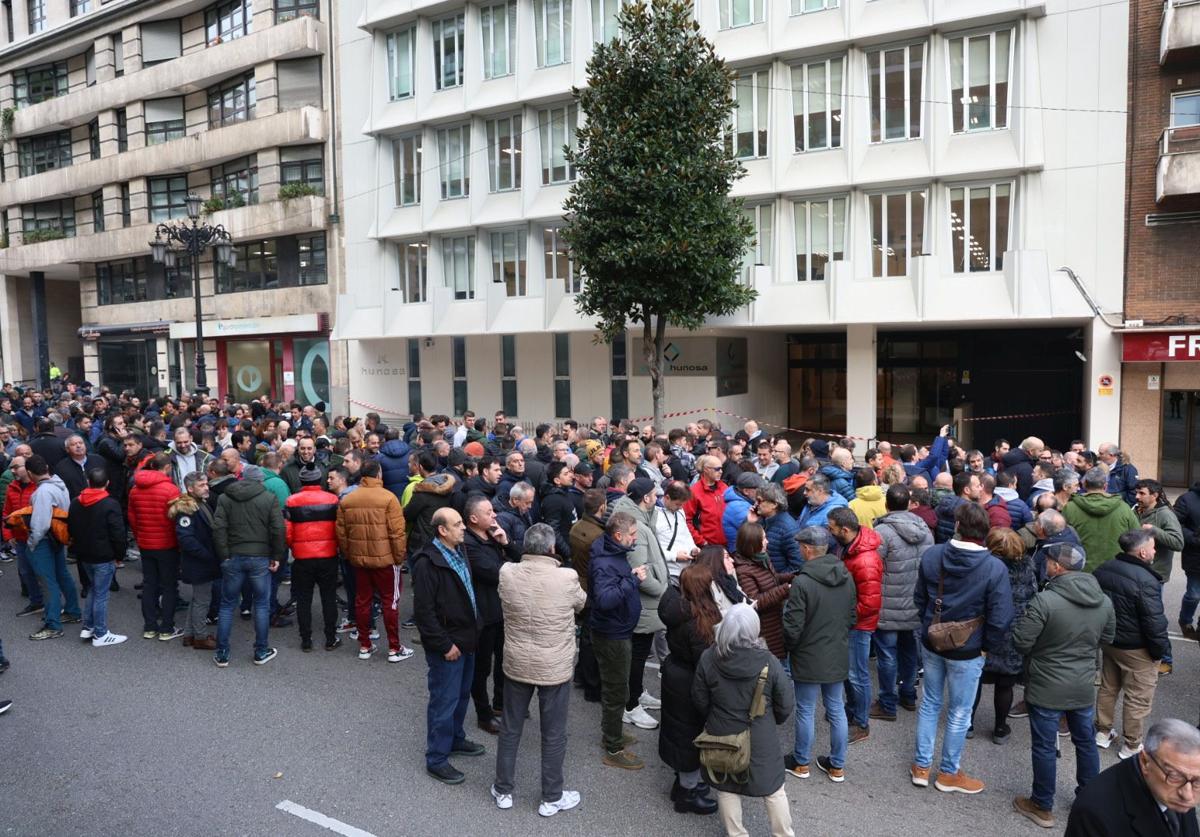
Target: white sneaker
x,y
1126,753
503,800
1105,739
649,701
365,653
403,654
640,718
109,638
374,635
566,802
85,634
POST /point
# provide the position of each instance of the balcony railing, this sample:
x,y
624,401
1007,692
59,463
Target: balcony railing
x,y
1178,162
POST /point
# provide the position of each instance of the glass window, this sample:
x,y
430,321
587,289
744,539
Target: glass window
x,y
448,51
98,211
44,152
161,41
94,139
400,63
980,218
312,261
286,10
80,7
458,266
406,167
164,120
736,13
118,46
604,24
49,217
758,249
800,7
556,127
560,267
458,363
818,97
620,379
256,268
748,135
122,129
303,164
508,375
508,261
820,236
454,161
562,375
168,197
897,231
121,282
37,16
979,79
412,278
228,20
895,88
232,102
37,84
414,375
1185,109
89,67
126,211
552,31
236,182
499,24
504,153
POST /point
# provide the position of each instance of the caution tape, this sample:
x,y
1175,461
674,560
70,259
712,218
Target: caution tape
x,y
1022,415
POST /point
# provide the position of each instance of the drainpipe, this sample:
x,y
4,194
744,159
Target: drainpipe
x,y
1088,298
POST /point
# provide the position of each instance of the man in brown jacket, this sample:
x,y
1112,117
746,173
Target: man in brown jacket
x,y
371,536
583,534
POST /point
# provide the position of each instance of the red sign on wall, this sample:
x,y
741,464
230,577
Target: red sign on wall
x,y
1159,346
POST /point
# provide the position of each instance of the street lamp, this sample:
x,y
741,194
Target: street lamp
x,y
193,239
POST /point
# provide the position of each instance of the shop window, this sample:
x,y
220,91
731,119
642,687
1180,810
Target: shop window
x,y
311,358
817,382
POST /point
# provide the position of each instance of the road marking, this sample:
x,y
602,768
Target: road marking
x,y
317,818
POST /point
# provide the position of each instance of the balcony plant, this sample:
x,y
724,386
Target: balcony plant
x,y
47,234
291,191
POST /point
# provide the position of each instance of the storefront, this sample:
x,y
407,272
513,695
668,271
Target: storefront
x,y
126,357
1160,407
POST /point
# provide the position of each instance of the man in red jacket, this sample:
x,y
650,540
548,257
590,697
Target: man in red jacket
x,y
704,511
860,552
19,495
152,492
310,516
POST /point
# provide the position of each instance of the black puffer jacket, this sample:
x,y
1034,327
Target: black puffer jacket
x,y
486,557
681,721
558,510
1136,593
1187,509
1018,463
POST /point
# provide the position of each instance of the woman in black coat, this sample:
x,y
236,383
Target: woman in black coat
x,y
690,613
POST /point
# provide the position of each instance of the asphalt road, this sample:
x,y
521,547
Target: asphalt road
x,y
150,738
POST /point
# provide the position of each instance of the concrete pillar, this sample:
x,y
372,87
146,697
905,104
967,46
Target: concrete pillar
x,y
11,324
1102,404
41,331
861,370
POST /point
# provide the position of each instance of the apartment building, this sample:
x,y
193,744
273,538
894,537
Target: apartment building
x,y
112,114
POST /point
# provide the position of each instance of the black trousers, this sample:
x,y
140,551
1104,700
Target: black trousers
x,y
489,649
587,670
320,573
160,576
637,667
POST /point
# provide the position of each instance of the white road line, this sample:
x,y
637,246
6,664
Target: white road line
x,y
317,818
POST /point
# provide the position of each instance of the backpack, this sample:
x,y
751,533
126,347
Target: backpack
x,y
726,758
18,521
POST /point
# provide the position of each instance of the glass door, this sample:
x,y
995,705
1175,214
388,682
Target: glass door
x,y
1180,438
249,368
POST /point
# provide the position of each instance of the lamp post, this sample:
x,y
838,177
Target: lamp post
x,y
193,239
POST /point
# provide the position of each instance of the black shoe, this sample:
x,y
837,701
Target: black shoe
x,y
331,644
677,790
591,697
210,620
489,726
447,774
29,610
1001,734
4,665
408,623
467,747
694,801
288,609
306,645
971,731
281,622
138,586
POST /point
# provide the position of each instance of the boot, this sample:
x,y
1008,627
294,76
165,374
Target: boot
x,y
208,643
187,642
695,801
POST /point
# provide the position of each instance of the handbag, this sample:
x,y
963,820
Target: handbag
x,y
948,636
726,758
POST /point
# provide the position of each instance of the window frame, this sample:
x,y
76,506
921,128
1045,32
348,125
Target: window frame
x,y
310,172
442,57
992,253
450,257
488,27
560,347
495,152
80,7
761,122
176,197
881,100
406,283
960,108
244,106
516,283
756,249
1174,112
235,172
394,62
399,173
36,15
59,214
94,139
826,5
554,249
446,163
508,375
619,380
98,211
802,113
44,152
414,375
458,372
542,30
121,119
725,10
882,272
601,16
551,151
221,21
52,80
293,9
809,271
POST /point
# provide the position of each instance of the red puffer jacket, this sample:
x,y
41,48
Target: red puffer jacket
x,y
311,520
18,496
148,500
866,568
704,511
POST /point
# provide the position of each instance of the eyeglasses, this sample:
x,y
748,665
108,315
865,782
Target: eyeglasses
x,y
1173,777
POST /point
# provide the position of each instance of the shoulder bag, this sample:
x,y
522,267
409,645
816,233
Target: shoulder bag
x,y
948,636
726,758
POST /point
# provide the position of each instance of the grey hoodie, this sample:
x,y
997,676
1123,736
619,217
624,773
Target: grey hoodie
x,y
905,536
648,551
50,494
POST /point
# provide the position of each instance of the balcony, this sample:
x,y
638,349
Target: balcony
x,y
1178,163
1180,31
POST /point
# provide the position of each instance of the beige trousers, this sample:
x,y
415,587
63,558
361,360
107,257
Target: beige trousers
x,y
1134,674
779,815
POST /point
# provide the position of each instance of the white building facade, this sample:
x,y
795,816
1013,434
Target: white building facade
x,y
917,171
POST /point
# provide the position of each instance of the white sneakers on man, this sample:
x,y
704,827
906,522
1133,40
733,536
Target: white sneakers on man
x,y
109,638
1105,739
640,718
649,701
566,802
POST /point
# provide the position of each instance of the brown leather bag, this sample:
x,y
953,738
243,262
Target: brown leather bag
x,y
948,636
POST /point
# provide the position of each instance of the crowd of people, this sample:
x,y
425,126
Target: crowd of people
x,y
764,578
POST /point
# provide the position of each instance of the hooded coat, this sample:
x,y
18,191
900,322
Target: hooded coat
x,y
1187,509
976,584
1099,519
868,504
198,562
428,496
152,492
866,568
393,462
1168,537
821,610
249,523
819,515
737,509
97,527
903,538
647,551
841,480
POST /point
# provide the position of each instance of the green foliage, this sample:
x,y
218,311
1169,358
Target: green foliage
x,y
6,123
38,236
217,203
212,205
290,191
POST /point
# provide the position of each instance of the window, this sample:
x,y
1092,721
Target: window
x,y
37,84
89,67
556,127
458,266
508,261
552,31
236,182
94,139
37,16
504,153
751,94
98,211
454,161
508,374
50,216
122,120
119,282
736,13
9,30
164,120
448,51
458,364
980,218
406,166
800,7
820,236
126,211
559,265
400,63
604,27
303,164
232,102
1185,109
818,95
897,231
286,10
275,263
979,78
80,7
118,46
44,152
168,196
227,21
620,379
895,89
313,261
412,279
414,375
299,83
562,375
161,41
499,23
758,249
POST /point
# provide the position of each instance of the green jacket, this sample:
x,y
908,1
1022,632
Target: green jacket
x,y
649,552
1060,632
407,493
1100,519
1168,537
291,474
277,486
249,523
818,616
5,478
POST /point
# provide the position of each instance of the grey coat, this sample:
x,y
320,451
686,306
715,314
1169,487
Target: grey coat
x,y
1168,537
905,538
649,552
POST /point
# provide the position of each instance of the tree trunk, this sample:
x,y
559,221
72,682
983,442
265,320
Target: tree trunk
x,y
653,335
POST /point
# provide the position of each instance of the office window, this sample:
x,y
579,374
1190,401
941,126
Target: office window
x,y
49,216
161,41
897,231
736,13
236,182
122,121
228,21
800,7
499,24
454,161
37,16
1185,109
895,89
818,96
820,236
747,137
98,211
232,102
414,375
37,84
164,120
286,10
562,375
44,152
979,79
560,267
458,266
400,63
552,31
303,164
448,51
504,153
126,211
94,139
80,7
168,196
121,282
299,83
285,262
758,249
406,166
508,261
556,127
980,218
458,364
412,276
312,261
620,379
604,24
118,46
508,375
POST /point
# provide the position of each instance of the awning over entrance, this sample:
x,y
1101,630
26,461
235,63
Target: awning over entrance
x,y
95,332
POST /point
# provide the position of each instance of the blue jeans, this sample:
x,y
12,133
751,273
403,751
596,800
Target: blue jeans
x,y
896,660
835,714
95,606
234,572
449,694
859,692
49,561
1191,599
1043,731
28,576
959,679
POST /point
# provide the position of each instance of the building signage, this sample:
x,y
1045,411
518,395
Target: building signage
x,y
682,357
1160,346
247,326
733,366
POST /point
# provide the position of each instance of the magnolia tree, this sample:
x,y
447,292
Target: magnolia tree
x,y
649,217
